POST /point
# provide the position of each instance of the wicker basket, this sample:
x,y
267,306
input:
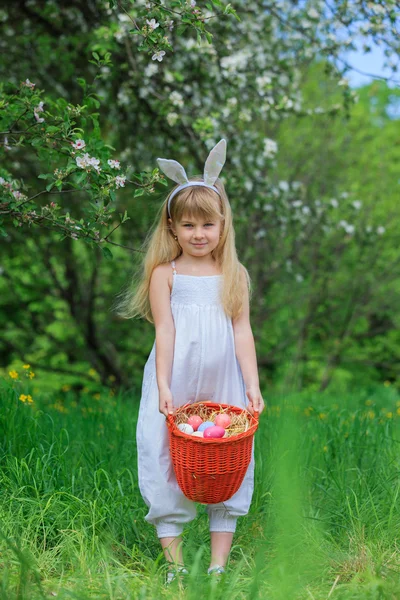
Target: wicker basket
x,y
210,470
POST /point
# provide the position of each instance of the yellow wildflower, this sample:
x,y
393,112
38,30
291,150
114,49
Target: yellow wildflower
x,y
389,415
66,387
30,399
323,416
92,372
307,411
111,378
369,402
387,383
23,398
31,375
371,414
398,411
13,374
398,403
26,367
325,448
96,396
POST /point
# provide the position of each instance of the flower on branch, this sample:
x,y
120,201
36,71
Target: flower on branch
x,y
87,161
158,55
114,164
120,181
28,84
78,144
152,24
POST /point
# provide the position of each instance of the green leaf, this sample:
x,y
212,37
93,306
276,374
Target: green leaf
x,y
138,193
95,55
50,186
45,176
107,253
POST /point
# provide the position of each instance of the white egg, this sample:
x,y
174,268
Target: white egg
x,y
185,428
198,434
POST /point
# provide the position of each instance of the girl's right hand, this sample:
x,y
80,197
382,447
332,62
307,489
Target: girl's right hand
x,y
166,402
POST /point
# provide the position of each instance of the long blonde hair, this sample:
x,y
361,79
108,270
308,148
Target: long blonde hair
x,y
161,247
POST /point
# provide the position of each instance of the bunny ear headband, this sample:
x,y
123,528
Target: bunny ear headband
x,y
212,168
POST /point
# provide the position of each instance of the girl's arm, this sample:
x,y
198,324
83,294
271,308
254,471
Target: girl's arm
x,y
160,303
246,351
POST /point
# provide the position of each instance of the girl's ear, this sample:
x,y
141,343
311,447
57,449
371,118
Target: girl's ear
x,y
171,226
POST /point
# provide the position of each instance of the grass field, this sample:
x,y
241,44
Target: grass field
x,y
324,520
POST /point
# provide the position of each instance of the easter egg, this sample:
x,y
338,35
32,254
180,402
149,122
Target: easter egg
x,y
185,428
195,422
197,434
205,425
214,432
223,420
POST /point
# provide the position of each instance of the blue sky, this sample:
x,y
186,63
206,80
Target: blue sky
x,y
368,63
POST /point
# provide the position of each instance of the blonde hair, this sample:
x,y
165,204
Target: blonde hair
x,y
160,247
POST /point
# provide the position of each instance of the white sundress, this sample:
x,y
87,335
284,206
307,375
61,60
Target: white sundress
x,y
204,367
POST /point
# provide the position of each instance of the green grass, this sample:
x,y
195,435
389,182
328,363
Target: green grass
x,y
323,522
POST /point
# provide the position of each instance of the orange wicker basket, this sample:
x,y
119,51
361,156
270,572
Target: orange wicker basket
x,y
210,470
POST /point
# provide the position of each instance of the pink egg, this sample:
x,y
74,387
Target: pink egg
x,y
223,420
195,422
214,432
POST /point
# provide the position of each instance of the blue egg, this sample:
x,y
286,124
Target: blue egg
x,y
205,425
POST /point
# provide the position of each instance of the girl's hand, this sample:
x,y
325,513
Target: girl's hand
x,y
166,402
256,402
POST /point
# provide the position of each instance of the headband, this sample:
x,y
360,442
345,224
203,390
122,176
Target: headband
x,y
212,168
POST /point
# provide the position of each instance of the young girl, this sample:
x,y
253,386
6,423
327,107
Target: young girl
x,y
196,292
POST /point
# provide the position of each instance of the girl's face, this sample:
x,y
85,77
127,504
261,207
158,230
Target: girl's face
x,y
196,236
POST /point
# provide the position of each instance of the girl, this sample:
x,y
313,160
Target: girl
x,y
196,293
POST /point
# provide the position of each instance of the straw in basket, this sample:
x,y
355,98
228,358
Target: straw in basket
x,y
210,470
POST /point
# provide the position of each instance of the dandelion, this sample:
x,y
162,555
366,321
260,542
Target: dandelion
x,y
29,399
387,383
389,415
158,55
398,411
31,375
371,414
26,367
92,372
323,416
13,374
23,398
369,402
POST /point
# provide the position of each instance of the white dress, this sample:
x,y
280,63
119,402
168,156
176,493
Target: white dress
x,y
204,367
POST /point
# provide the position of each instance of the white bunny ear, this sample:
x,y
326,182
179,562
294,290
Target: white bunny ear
x,y
173,170
215,162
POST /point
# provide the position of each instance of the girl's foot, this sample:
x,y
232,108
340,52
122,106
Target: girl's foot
x,y
216,571
176,574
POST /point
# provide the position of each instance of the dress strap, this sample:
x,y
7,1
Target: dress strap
x,y
173,267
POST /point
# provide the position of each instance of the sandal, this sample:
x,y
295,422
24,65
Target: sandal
x,y
216,571
176,574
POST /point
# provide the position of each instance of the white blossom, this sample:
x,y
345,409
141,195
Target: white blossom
x,y
152,24
334,202
29,84
357,204
158,55
151,69
176,99
78,144
284,186
268,207
380,230
120,181
114,164
299,277
172,118
270,148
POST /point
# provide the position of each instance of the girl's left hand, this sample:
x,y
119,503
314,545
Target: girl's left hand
x,y
256,402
